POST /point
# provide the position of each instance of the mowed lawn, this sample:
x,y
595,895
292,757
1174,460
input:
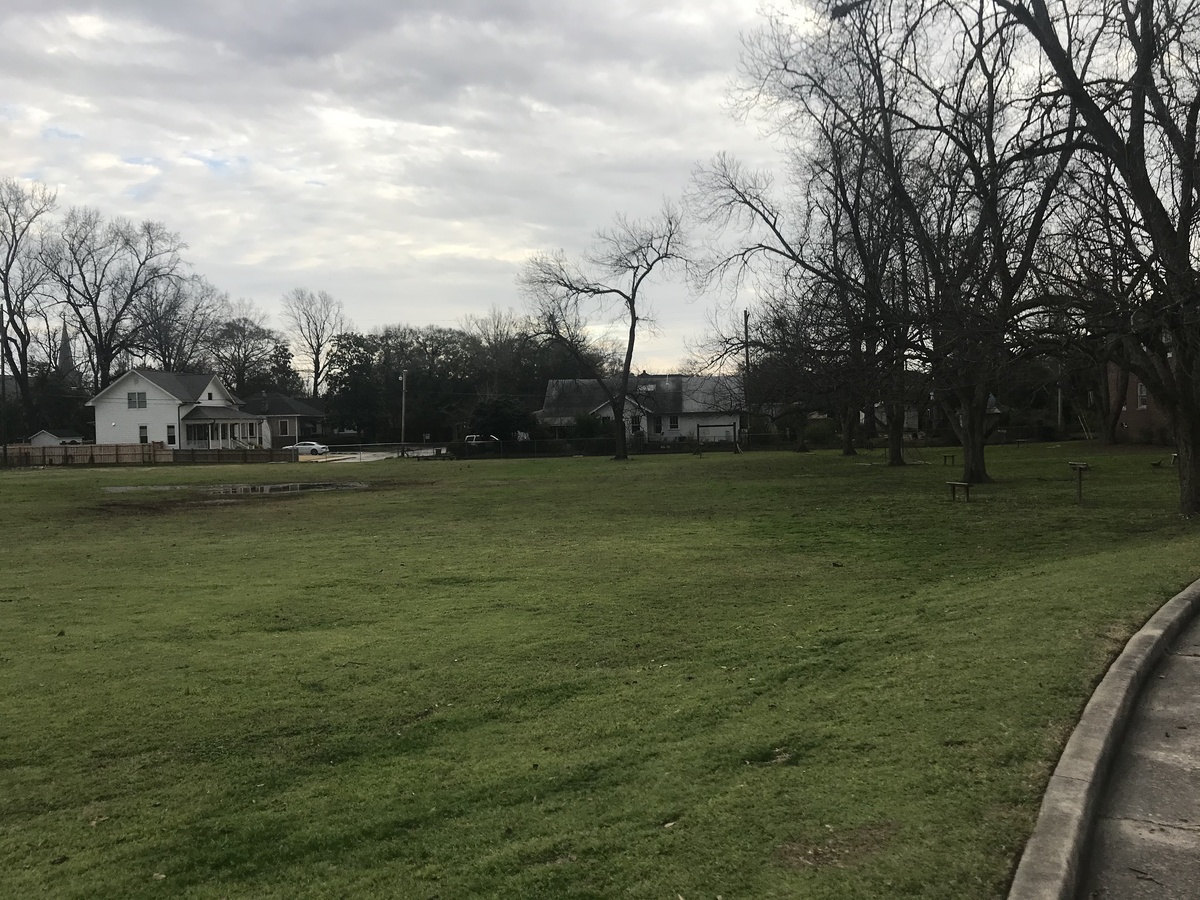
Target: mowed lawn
x,y
767,675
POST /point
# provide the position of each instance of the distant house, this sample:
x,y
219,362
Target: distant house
x,y
55,437
658,408
178,410
1142,419
288,419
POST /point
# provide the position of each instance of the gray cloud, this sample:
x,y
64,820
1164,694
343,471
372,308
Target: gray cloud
x,y
405,156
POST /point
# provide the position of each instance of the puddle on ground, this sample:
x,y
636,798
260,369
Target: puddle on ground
x,y
295,487
292,488
129,488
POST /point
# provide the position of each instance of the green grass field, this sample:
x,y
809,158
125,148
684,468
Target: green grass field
x,y
767,675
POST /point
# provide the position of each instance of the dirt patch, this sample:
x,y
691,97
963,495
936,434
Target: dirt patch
x,y
1116,636
840,849
149,500
291,487
138,507
294,487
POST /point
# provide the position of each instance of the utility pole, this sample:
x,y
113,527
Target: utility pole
x,y
746,370
403,404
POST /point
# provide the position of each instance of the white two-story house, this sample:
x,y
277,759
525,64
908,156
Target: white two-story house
x,y
179,411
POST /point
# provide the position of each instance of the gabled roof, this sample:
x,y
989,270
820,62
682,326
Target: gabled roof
x,y
273,403
659,395
180,385
183,386
65,434
218,414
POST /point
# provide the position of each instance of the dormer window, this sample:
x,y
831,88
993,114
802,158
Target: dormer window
x,y
210,395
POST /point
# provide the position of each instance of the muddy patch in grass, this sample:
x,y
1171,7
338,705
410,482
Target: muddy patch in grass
x,y
839,849
790,752
292,487
295,487
140,507
173,497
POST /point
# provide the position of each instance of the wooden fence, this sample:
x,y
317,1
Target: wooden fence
x,y
26,456
234,456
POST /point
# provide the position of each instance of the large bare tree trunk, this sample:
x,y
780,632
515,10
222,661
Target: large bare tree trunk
x,y
970,425
1187,445
849,429
895,424
870,427
801,441
1113,402
619,438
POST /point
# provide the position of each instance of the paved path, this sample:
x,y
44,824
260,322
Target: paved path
x,y
1146,842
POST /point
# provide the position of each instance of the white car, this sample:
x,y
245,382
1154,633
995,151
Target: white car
x,y
312,448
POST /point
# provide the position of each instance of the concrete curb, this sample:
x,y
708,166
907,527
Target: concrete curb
x,y
1051,862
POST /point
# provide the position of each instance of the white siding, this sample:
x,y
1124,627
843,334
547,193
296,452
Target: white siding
x,y
687,423
726,431
220,397
116,423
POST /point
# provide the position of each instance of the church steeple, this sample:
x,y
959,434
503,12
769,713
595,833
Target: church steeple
x,y
65,363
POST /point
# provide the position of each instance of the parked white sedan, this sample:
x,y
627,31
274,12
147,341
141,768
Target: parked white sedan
x,y
311,448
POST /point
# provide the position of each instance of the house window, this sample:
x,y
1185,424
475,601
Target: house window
x,y
143,434
658,424
1141,395
170,435
674,423
283,429
635,422
136,399
250,428
224,431
210,395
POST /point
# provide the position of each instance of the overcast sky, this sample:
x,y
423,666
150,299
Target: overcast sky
x,y
405,155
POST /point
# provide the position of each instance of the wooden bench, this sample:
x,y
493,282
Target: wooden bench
x,y
955,485
947,459
1020,441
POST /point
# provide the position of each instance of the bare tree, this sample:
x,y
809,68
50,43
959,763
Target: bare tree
x,y
834,264
23,278
937,95
568,300
313,321
501,336
243,348
105,272
1093,270
1130,71
182,316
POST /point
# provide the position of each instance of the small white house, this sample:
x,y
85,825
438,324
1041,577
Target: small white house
x,y
658,408
55,437
178,410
